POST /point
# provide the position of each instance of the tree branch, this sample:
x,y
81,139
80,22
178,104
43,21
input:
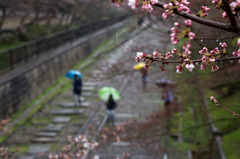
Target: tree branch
x,y
231,16
211,23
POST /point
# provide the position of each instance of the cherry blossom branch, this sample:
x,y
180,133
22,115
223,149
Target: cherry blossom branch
x,y
214,24
215,38
4,151
230,15
194,61
220,106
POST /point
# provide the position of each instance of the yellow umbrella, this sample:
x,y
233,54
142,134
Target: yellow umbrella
x,y
139,66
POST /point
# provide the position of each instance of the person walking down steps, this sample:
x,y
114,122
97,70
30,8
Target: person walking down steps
x,y
144,73
77,89
111,105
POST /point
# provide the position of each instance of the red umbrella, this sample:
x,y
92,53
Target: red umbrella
x,y
165,83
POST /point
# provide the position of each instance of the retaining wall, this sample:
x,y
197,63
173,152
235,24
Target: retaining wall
x,y
26,84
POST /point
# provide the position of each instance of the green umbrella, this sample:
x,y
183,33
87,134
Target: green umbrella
x,y
105,92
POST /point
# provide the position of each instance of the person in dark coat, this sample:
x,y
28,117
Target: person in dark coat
x,y
77,89
144,73
111,105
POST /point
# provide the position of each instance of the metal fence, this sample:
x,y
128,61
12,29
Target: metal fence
x,y
12,58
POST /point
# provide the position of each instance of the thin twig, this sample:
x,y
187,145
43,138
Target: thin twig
x,y
215,38
220,106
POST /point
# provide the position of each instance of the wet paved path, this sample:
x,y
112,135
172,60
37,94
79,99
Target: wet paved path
x,y
48,130
136,103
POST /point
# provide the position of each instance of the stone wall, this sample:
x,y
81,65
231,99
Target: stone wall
x,y
25,84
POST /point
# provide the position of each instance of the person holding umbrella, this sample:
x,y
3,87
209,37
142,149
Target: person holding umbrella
x,y
77,89
111,105
141,67
109,95
76,76
144,73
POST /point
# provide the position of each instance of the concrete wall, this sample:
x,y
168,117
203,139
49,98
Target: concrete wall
x,y
23,86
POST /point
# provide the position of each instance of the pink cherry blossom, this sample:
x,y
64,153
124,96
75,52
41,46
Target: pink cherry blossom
x,y
188,23
179,69
214,68
236,53
233,5
177,24
214,51
117,5
154,1
165,6
146,66
212,59
174,51
185,2
191,35
205,8
212,98
96,157
132,2
215,1
223,45
155,53
139,56
203,66
224,15
190,67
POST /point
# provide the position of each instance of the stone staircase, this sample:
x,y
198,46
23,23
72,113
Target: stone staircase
x,y
62,116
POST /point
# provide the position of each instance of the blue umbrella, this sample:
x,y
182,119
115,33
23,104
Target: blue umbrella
x,y
72,73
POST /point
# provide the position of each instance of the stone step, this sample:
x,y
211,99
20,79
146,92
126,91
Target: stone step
x,y
113,156
87,94
71,95
53,128
141,157
37,148
89,83
73,98
47,134
118,123
122,115
43,140
72,104
27,157
67,111
109,156
87,88
121,143
61,119
96,72
153,101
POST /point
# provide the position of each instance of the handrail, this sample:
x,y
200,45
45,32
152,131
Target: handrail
x,y
58,33
19,55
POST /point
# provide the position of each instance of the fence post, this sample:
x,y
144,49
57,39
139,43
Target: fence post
x,y
25,54
37,44
11,60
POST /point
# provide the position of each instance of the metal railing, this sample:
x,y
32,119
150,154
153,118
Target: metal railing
x,y
22,54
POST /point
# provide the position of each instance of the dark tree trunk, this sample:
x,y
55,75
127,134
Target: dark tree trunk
x,y
36,18
23,19
2,18
61,19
